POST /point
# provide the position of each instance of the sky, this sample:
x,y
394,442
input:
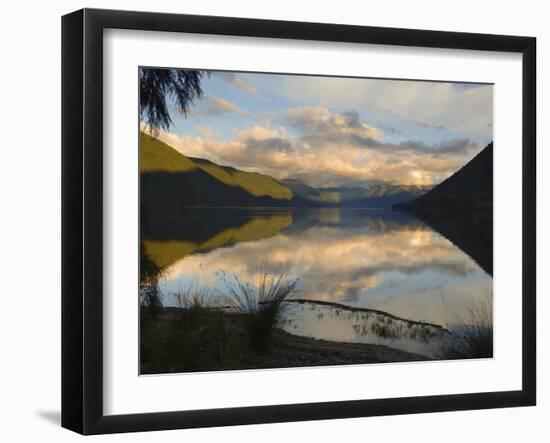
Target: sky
x,y
336,131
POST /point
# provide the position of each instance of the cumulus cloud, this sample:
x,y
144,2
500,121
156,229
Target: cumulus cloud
x,y
332,159
319,126
324,148
435,104
331,131
320,121
269,145
455,146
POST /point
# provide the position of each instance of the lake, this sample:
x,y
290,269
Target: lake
x,y
370,276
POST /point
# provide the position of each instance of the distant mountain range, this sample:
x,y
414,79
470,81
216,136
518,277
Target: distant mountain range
x,y
171,179
374,196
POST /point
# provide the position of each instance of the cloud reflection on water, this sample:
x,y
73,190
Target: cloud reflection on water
x,y
359,258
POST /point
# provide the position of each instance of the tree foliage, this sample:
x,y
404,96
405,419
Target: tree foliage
x,y
160,86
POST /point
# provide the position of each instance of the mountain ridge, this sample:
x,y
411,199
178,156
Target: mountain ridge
x,y
380,195
461,208
471,187
170,179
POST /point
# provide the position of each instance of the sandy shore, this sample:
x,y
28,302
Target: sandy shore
x,y
170,344
288,350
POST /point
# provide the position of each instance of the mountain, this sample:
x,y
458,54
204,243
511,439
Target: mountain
x,y
374,196
470,188
256,184
170,179
461,208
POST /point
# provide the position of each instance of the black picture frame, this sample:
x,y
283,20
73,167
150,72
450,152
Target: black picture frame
x,y
82,219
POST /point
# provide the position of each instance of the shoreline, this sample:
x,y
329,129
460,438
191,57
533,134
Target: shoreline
x,y
161,338
367,310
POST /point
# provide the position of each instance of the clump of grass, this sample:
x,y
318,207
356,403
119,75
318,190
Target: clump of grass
x,y
261,303
193,297
475,339
189,338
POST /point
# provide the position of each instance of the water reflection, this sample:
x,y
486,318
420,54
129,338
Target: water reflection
x,y
380,260
340,323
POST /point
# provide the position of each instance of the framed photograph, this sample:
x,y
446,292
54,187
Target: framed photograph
x,y
270,221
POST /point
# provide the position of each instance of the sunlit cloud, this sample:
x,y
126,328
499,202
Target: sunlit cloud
x,y
319,120
327,149
332,131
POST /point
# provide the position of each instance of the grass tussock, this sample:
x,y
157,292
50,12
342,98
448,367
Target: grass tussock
x,y
202,334
194,297
261,303
475,336
189,338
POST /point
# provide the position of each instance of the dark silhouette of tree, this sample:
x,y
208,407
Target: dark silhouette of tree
x,y
157,86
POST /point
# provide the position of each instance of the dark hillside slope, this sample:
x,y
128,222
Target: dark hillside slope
x,y
471,188
171,180
461,208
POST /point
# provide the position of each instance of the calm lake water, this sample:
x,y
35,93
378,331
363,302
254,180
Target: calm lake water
x,y
399,278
